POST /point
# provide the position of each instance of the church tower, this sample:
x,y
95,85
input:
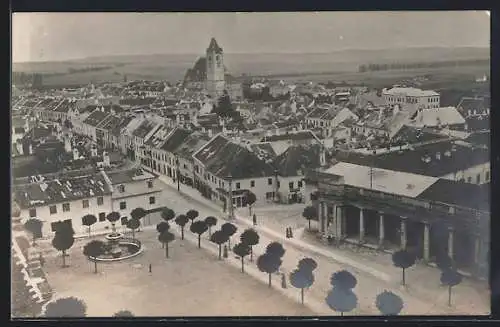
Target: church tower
x,y
215,82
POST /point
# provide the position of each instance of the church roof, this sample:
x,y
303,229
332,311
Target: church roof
x,y
214,46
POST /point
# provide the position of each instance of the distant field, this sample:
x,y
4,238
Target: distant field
x,y
343,65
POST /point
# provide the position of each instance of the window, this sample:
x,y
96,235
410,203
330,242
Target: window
x,y
100,200
32,213
121,188
150,184
252,183
238,185
123,205
269,181
290,185
478,179
487,176
269,195
66,207
299,184
152,200
102,216
278,184
469,179
53,210
53,226
85,203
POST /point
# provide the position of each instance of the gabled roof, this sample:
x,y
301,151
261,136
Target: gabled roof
x,y
144,128
237,161
209,150
191,144
158,137
300,135
296,159
175,139
439,116
128,176
412,134
95,118
468,103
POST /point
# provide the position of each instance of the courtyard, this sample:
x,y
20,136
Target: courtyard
x,y
192,282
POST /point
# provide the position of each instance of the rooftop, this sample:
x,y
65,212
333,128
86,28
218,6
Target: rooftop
x,y
298,136
128,176
61,190
439,117
297,159
175,139
209,150
435,159
383,180
95,118
144,128
191,144
410,91
213,46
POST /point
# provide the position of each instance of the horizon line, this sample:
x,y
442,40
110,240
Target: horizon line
x,y
253,53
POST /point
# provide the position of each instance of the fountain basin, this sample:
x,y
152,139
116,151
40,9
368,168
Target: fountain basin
x,y
124,248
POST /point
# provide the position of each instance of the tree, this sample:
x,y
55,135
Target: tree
x,y
242,250
123,313
251,198
92,250
343,280
275,248
165,238
250,238
133,224
66,307
113,217
210,221
219,238
138,214
307,264
198,227
341,300
389,304
403,259
269,264
167,214
181,221
34,226
229,229
192,215
301,278
310,213
162,226
450,277
89,220
63,242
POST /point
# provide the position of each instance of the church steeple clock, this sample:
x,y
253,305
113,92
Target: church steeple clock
x,y
215,82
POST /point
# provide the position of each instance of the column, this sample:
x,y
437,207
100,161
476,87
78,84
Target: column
x,y
361,226
403,233
477,250
381,230
426,242
322,216
450,243
339,219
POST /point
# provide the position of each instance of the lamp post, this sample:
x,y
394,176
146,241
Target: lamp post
x,y
230,215
178,173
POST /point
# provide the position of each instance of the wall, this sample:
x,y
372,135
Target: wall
x,y
482,170
75,214
284,189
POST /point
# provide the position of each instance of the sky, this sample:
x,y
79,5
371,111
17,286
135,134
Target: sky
x,y
63,36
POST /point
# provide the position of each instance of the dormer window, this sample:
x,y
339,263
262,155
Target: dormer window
x,y
121,188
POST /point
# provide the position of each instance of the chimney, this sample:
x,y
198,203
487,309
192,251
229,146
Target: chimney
x,y
105,159
93,151
438,155
76,155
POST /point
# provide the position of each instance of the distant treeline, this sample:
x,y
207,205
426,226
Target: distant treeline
x,y
91,69
22,78
417,65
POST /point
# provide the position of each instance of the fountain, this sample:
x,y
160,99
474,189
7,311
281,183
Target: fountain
x,y
113,245
118,247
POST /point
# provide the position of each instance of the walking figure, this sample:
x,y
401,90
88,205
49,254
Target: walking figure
x,y
150,268
254,220
287,233
290,233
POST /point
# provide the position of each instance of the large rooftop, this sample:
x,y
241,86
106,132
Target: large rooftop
x,y
410,91
64,189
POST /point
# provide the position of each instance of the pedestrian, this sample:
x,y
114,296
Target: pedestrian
x,y
291,232
254,220
150,268
225,254
286,233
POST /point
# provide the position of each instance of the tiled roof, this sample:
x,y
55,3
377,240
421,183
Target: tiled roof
x,y
239,162
208,151
191,144
61,190
124,121
264,151
457,193
468,103
128,176
411,161
478,124
317,113
110,123
415,135
301,135
158,137
439,116
297,159
144,129
479,139
410,91
95,118
175,139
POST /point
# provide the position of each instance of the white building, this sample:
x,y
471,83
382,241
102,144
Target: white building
x,y
425,99
65,200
